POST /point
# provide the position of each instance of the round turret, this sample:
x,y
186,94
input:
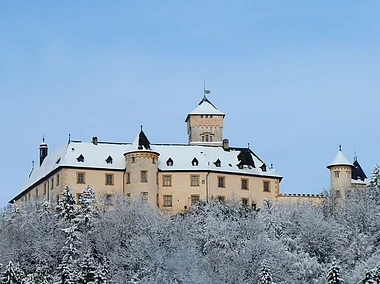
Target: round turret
x,y
141,170
340,173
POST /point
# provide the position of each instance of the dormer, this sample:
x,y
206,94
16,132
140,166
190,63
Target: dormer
x,y
205,124
80,159
194,162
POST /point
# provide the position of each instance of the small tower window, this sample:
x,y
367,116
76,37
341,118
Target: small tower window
x,y
211,116
194,162
169,162
263,168
336,174
80,158
133,160
109,160
218,163
206,136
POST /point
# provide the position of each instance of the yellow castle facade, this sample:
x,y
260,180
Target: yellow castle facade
x,y
169,176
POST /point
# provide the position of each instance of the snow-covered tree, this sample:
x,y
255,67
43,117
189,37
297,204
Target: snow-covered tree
x,y
265,276
333,274
66,205
102,275
88,269
12,274
88,209
369,278
68,267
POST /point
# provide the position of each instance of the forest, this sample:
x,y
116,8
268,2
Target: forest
x,y
337,241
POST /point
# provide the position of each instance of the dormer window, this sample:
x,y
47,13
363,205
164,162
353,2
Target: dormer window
x,y
109,160
240,166
58,161
194,162
264,167
80,158
169,162
218,163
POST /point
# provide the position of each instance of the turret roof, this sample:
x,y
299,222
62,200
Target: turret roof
x,y
357,171
340,160
205,107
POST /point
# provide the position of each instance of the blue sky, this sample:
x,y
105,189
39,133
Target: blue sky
x,y
295,78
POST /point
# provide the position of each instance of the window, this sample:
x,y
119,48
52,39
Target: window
x,y
336,174
57,180
36,192
81,177
128,177
221,181
169,162
108,199
211,116
218,163
194,180
168,200
133,160
244,183
80,158
44,188
206,136
210,138
144,176
194,199
57,199
109,160
264,168
244,202
144,196
194,162
266,185
154,160
202,116
203,138
221,198
51,183
109,179
206,116
167,180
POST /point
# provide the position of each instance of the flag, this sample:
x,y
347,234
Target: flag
x,y
207,92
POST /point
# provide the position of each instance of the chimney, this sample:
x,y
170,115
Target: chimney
x,y
226,145
95,140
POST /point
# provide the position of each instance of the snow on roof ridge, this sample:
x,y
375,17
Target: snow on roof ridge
x,y
340,160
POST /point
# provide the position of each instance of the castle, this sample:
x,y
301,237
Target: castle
x,y
170,176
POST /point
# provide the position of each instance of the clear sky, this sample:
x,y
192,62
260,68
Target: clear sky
x,y
295,78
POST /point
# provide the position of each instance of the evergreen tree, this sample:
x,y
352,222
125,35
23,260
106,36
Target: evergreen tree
x,y
333,275
12,274
369,278
265,277
68,273
102,275
88,210
66,206
88,269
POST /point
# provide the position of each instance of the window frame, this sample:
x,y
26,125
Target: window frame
x,y
164,201
192,196
57,180
246,180
52,183
191,180
84,177
337,174
244,200
224,181
141,176
164,181
128,178
268,183
106,175
109,201
221,198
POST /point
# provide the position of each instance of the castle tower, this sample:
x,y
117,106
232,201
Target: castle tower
x,y
141,170
205,124
43,151
340,173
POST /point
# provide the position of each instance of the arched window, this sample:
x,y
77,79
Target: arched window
x,y
194,162
169,162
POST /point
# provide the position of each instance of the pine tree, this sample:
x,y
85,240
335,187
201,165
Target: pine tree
x,y
265,277
66,206
102,275
88,210
333,275
369,278
12,274
88,269
68,273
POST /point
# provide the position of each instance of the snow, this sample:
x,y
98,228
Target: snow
x,y
95,157
206,108
340,160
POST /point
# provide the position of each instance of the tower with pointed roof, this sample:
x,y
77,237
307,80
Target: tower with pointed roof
x,y
340,173
141,170
205,124
43,151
